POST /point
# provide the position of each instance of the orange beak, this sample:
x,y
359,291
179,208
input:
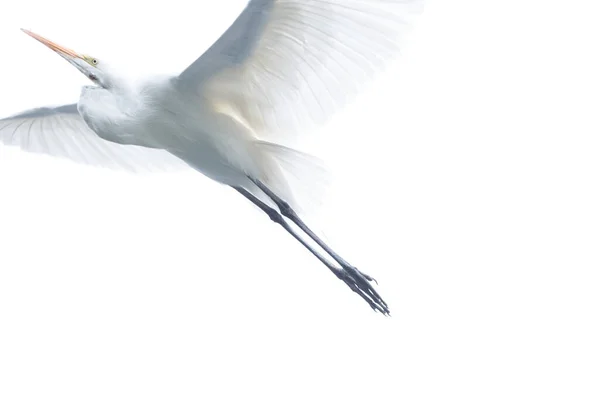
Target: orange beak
x,y
63,51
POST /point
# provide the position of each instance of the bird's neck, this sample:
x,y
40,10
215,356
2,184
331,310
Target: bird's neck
x,y
105,111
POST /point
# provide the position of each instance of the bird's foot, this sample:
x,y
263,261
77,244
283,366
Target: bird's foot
x,y
360,283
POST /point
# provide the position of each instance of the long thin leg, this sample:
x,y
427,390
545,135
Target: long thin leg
x,y
287,211
349,279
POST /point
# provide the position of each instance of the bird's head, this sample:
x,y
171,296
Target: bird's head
x,y
91,67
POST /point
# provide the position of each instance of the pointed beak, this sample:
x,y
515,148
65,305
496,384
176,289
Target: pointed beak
x,y
62,51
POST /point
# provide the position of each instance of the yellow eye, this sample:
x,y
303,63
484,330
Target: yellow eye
x,y
92,61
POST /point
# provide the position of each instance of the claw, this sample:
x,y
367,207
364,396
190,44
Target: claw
x,y
367,277
359,283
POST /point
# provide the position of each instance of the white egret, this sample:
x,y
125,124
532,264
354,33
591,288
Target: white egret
x,y
281,69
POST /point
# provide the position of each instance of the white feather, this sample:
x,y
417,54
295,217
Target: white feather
x,y
299,178
285,66
61,132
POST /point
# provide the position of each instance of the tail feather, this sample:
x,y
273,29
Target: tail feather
x,y
299,178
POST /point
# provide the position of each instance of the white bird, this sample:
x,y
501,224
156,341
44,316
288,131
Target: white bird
x,y
281,69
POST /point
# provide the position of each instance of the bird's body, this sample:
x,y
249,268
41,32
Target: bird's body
x,y
282,68
158,113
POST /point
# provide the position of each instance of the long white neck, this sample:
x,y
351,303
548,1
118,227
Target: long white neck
x,y
124,113
107,111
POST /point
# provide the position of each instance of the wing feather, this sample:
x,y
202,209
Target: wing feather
x,y
285,66
61,132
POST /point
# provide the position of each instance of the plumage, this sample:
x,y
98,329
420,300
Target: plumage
x,y
285,66
62,132
281,69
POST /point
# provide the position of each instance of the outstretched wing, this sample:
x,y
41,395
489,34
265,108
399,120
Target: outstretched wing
x,y
61,132
285,66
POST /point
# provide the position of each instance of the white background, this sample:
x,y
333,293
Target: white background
x,y
467,182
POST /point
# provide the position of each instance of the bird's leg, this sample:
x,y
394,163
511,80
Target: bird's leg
x,y
370,296
288,212
361,278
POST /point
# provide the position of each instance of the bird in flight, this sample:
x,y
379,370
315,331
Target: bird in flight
x,y
279,71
